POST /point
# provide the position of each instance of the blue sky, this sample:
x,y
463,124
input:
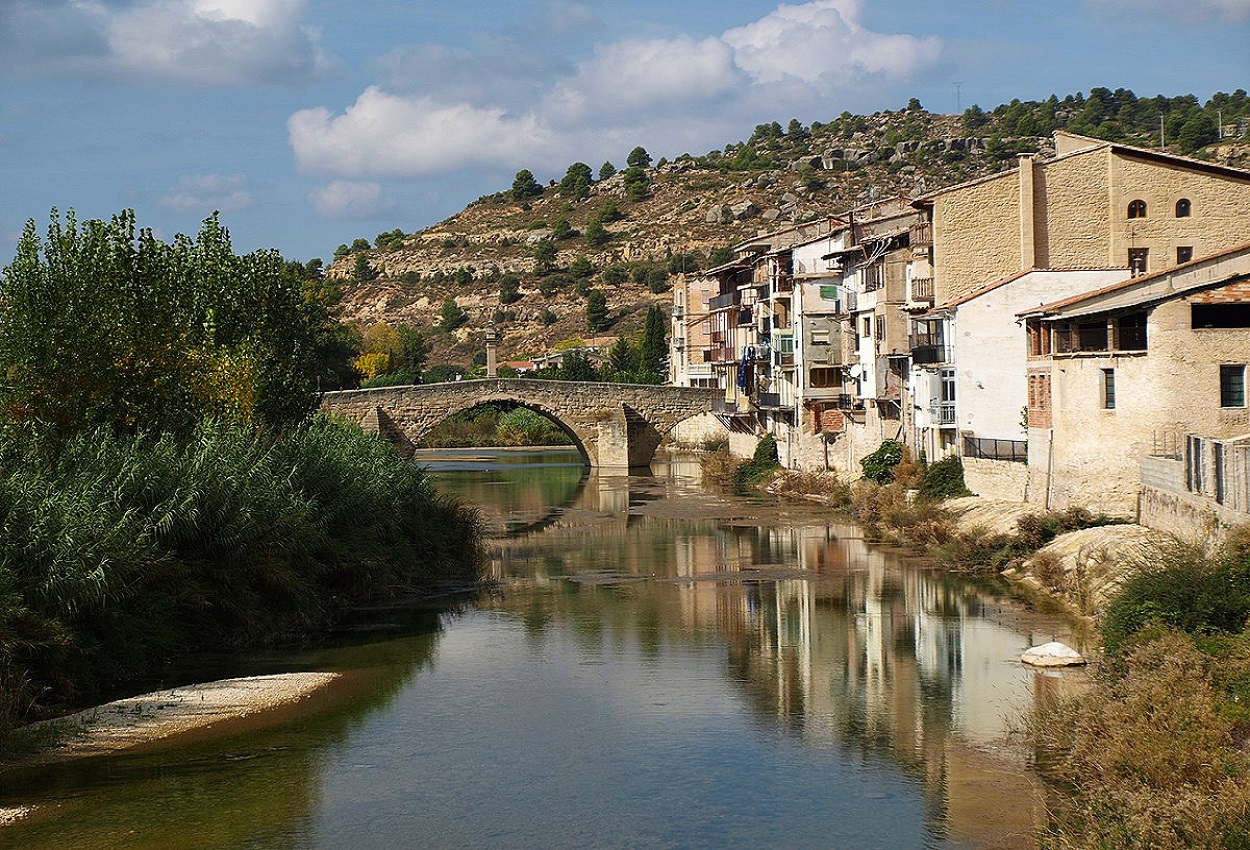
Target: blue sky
x,y
311,122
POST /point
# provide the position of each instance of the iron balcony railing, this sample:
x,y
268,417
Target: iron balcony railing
x,y
922,289
720,302
768,400
1016,451
946,413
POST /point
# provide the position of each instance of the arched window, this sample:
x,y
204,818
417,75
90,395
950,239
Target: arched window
x,y
1137,209
1182,208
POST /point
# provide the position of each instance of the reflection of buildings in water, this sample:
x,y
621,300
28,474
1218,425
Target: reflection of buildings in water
x,y
875,653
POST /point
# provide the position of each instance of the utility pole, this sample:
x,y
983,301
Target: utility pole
x,y
1160,132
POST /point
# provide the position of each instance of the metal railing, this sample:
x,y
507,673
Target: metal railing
x,y
1016,451
720,302
946,413
768,400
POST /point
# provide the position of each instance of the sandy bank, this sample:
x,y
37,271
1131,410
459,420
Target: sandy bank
x,y
150,718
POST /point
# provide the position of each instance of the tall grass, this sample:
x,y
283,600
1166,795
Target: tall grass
x,y
123,552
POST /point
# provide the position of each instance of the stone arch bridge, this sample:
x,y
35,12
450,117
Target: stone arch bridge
x,y
612,425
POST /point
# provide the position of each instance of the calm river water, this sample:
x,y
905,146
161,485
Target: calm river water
x,y
661,666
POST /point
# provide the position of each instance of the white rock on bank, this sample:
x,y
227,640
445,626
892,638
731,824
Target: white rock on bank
x,y
1053,654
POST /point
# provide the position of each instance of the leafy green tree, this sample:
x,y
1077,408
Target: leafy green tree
x,y
414,351
390,240
463,275
654,354
509,289
341,251
637,183
622,358
544,256
582,268
104,326
576,181
561,229
657,280
596,311
451,316
360,244
606,170
638,158
525,186
1196,133
362,271
614,275
609,212
719,256
596,234
684,262
576,366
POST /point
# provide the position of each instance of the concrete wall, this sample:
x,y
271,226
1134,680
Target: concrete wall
x,y
698,430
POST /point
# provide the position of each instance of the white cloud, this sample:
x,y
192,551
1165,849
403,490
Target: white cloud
x,y
822,41
195,42
350,200
201,194
678,91
636,76
386,134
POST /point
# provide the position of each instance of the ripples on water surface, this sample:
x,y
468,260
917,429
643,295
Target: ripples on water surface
x,y
661,666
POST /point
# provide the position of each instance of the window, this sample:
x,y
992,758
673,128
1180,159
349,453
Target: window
x,y
1184,254
946,408
1137,209
1137,260
867,326
1233,386
1108,389
825,377
1220,315
1182,209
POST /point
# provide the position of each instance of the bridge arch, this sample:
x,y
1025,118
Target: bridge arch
x,y
613,425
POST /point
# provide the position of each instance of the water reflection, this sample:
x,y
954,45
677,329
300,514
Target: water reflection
x,y
660,665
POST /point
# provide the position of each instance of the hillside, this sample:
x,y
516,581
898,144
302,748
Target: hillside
x,y
667,217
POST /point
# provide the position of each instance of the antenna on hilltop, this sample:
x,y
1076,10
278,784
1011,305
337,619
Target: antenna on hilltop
x,y
959,107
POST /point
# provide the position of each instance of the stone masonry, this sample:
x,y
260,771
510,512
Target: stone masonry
x,y
612,425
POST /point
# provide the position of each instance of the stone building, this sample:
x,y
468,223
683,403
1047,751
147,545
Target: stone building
x,y
1153,367
1094,205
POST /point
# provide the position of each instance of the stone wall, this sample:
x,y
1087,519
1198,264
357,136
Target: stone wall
x,y
997,479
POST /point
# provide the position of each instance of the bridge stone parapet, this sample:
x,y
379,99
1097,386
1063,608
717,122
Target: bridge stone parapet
x,y
612,425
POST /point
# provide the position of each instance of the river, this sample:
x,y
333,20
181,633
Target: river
x,y
660,665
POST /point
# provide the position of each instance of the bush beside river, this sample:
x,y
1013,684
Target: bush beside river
x,y
128,551
164,486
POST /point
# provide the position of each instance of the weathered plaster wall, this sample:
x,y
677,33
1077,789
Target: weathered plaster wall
x,y
991,388
1173,389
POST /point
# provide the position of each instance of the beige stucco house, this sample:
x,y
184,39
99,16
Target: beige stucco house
x,y
1140,369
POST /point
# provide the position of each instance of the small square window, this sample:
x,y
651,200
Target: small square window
x,y
1233,386
1108,389
1184,254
